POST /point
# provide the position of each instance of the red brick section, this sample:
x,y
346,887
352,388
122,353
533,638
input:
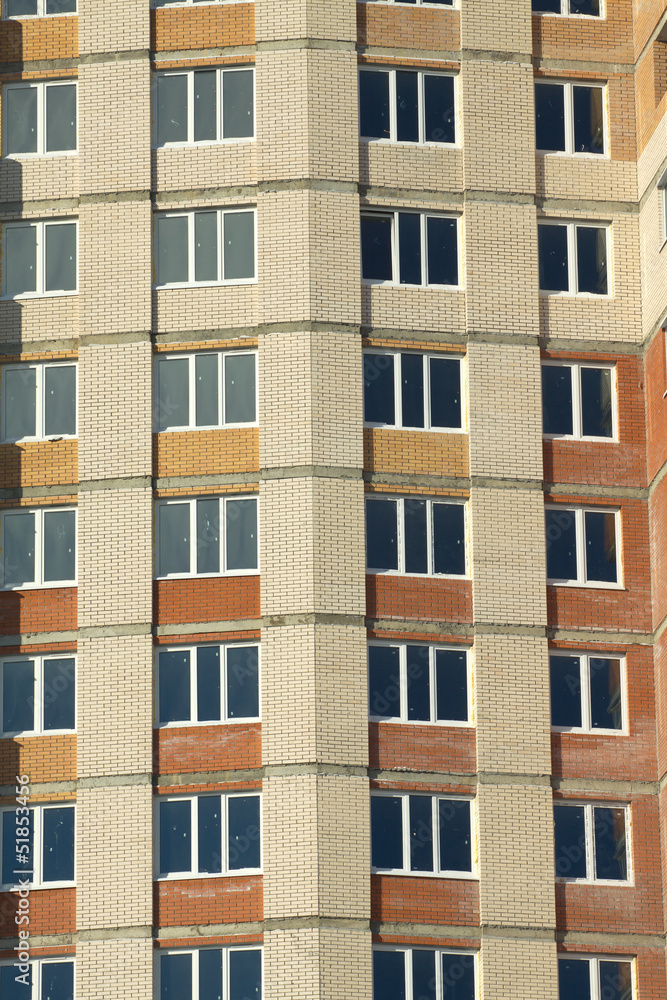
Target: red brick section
x,y
205,27
646,16
411,899
581,39
422,748
44,758
34,39
39,463
658,520
207,600
396,27
202,453
605,463
415,598
51,609
52,911
227,900
651,91
189,749
655,381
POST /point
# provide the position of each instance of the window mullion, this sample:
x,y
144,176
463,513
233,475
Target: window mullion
x,y
405,832
432,679
190,106
193,660
403,682
224,833
422,241
40,387
421,108
408,974
192,392
40,251
393,114
194,835
577,421
427,392
429,538
398,395
192,507
572,259
221,388
580,539
400,540
37,845
569,118
191,246
585,674
195,973
38,695
38,523
220,229
395,256
219,98
589,827
222,533
435,836
41,119
222,660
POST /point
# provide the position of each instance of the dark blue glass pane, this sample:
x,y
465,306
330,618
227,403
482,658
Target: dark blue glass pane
x,y
458,977
175,837
388,975
59,545
445,392
208,536
596,402
591,260
243,682
205,106
569,842
442,251
210,974
208,683
10,989
588,130
561,544
606,705
384,681
59,679
423,975
552,256
381,535
455,836
439,109
419,688
13,844
451,672
546,6
206,390
386,832
238,104
174,686
172,108
565,691
57,981
245,974
409,248
421,833
374,104
590,7
416,551
241,534
407,107
412,389
379,389
574,979
610,853
449,550
616,980
376,264
210,833
600,546
58,844
244,831
557,399
18,696
176,977
549,116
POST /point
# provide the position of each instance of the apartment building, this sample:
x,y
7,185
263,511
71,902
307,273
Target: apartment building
x,y
333,500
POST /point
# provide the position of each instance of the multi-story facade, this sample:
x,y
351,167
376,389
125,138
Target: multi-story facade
x,y
333,499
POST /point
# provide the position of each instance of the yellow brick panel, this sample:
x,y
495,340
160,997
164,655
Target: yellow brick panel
x,y
113,25
39,179
204,453
323,19
115,969
187,168
27,320
324,963
413,308
428,453
521,969
429,168
482,28
212,308
39,463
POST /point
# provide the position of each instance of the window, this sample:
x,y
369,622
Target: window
x,y
37,695
409,248
569,118
39,118
208,835
46,979
587,8
207,684
412,390
187,3
421,834
415,536
38,8
594,978
587,693
206,537
197,391
573,258
38,547
591,843
209,105
425,3
421,973
209,247
581,546
38,402
38,845
578,401
407,106
39,258
210,974
417,683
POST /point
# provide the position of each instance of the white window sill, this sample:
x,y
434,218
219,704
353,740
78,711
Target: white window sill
x,y
579,17
180,724
419,430
40,440
51,585
584,440
371,283
209,576
438,723
32,734
589,732
416,576
55,154
189,876
468,876
201,143
618,883
14,887
204,284
22,296
368,140
585,584
591,296
206,427
564,155
40,17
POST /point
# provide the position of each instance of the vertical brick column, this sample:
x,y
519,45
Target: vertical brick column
x,y
314,727
517,905
114,820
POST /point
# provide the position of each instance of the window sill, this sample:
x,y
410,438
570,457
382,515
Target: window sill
x,y
416,576
582,440
437,724
203,143
14,887
23,296
204,284
207,427
159,726
369,140
34,735
51,585
579,17
52,439
56,154
41,17
572,730
419,430
585,585
372,283
209,576
562,154
586,296
468,876
618,883
189,876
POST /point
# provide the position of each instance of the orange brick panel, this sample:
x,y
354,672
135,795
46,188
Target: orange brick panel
x,y
407,898
655,374
207,748
206,27
427,453
238,899
39,463
425,599
650,85
209,600
660,657
202,453
50,610
43,758
395,27
52,911
39,38
578,39
422,748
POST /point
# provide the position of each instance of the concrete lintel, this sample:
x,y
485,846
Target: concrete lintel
x,y
208,930
115,780
128,55
460,484
312,618
605,785
200,628
129,483
130,337
38,638
26,492
111,631
209,777
326,44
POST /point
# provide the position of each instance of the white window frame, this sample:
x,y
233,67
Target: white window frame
x,y
192,502
580,535
225,949
451,4
40,258
226,872
435,841
395,282
39,582
40,388
41,89
421,108
565,12
38,695
41,12
220,71
224,719
594,969
189,214
662,187
398,401
577,405
195,3
586,710
38,845
36,966
191,357
400,518
403,719
568,102
589,831
572,280
440,992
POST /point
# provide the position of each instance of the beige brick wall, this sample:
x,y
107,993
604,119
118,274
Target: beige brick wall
x,y
321,19
522,969
403,308
28,320
207,309
183,169
39,179
654,259
323,963
113,25
427,168
586,178
115,969
481,28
